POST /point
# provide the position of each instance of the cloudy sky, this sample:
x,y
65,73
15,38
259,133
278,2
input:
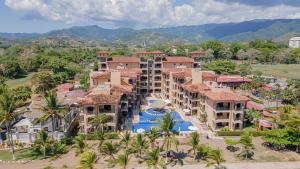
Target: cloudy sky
x,y
45,15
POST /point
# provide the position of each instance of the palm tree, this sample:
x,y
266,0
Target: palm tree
x,y
99,121
8,105
139,145
203,151
109,149
246,141
154,160
80,145
167,124
126,137
152,136
253,116
194,142
87,160
101,137
215,157
51,110
231,144
123,160
43,141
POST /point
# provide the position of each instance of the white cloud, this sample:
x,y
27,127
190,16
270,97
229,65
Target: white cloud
x,y
154,13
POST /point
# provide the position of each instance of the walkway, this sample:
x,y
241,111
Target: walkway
x,y
244,165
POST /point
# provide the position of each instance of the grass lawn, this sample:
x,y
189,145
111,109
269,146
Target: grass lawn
x,y
20,82
24,154
290,71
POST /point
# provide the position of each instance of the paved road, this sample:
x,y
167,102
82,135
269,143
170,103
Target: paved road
x,y
256,165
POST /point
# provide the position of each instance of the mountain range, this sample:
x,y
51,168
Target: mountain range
x,y
278,29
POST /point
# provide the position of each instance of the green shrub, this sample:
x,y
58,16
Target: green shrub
x,y
94,136
238,133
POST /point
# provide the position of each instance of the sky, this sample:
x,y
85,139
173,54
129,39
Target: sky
x,y
45,15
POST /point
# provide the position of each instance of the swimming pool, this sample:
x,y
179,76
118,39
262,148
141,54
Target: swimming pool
x,y
151,116
149,119
180,126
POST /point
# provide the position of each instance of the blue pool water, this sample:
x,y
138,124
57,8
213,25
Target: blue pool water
x,y
180,126
150,119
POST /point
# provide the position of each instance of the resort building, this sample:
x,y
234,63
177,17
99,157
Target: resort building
x,y
29,124
114,93
294,42
123,82
199,93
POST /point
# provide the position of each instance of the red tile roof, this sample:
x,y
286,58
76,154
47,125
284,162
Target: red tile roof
x,y
66,87
267,87
100,99
131,73
124,59
179,59
100,75
228,79
200,88
225,96
255,106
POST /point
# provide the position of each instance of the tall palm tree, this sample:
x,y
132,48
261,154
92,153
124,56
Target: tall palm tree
x,y
154,160
152,136
139,145
215,157
87,160
123,160
194,142
43,141
8,105
80,145
126,138
109,149
253,116
99,121
167,124
51,110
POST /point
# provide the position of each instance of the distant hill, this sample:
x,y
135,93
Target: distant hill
x,y
243,31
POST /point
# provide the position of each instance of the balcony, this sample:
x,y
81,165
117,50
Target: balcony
x,y
222,107
221,117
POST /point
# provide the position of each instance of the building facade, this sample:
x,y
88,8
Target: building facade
x,y
122,83
294,42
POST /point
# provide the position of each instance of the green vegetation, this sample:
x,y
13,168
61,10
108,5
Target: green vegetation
x,y
290,71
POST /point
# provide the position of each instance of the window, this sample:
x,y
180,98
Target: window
x,y
90,109
107,108
238,106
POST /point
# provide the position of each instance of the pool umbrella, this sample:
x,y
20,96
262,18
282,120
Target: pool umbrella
x,y
193,128
158,105
186,111
140,130
168,101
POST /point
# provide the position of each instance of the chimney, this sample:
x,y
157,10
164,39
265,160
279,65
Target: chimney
x,y
115,78
196,76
